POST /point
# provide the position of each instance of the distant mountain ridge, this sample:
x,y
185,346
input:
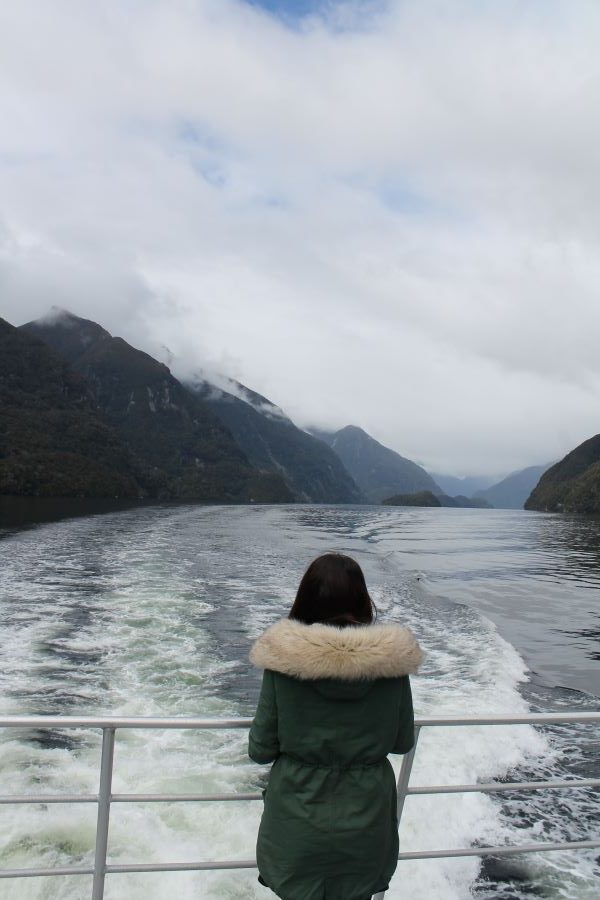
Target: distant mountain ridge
x,y
465,487
272,442
217,442
176,434
208,442
377,470
571,485
513,491
428,498
459,501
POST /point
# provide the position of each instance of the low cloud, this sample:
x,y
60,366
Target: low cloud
x,y
390,219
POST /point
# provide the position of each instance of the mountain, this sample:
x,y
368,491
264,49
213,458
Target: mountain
x,y
272,442
571,485
419,498
466,487
513,491
461,502
173,431
428,498
378,471
52,441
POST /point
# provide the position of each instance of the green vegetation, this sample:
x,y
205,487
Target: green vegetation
x,y
428,498
573,484
107,420
420,498
52,443
462,502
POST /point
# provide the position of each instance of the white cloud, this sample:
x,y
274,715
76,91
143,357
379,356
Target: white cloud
x,y
394,224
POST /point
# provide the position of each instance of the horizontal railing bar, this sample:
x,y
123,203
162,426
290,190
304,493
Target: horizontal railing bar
x,y
49,798
492,787
191,723
122,798
502,850
183,867
59,870
119,722
499,786
531,719
174,798
213,865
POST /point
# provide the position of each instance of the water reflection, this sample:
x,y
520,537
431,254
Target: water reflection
x,y
591,640
537,576
573,544
17,513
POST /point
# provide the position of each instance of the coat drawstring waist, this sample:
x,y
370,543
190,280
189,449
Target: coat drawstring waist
x,y
349,768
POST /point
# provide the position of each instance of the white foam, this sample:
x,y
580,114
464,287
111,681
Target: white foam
x,y
165,594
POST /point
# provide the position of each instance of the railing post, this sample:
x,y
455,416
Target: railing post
x,y
104,797
402,787
404,776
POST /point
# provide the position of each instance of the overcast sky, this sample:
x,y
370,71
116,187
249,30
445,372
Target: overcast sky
x,y
378,213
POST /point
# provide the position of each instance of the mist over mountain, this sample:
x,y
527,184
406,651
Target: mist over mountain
x,y
459,501
378,471
272,442
229,387
209,443
571,485
84,413
174,431
513,491
466,486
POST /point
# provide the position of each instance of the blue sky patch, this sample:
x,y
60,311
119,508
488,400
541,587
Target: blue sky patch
x,y
339,15
291,9
402,198
396,194
205,152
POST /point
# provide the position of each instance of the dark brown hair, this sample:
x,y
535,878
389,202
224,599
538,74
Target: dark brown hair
x,y
333,591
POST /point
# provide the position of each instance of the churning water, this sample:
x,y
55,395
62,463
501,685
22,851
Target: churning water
x,y
151,611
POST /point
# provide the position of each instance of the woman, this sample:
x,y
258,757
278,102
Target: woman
x,y
335,700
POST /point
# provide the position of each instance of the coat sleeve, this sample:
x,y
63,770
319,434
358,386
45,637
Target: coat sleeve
x,y
263,743
405,736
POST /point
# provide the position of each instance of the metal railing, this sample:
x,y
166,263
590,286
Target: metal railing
x,y
104,798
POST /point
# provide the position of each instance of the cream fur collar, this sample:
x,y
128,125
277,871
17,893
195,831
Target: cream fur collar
x,y
360,653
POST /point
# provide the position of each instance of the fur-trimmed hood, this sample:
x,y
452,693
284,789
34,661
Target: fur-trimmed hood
x,y
355,653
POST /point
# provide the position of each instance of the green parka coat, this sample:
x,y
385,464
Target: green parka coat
x,y
334,702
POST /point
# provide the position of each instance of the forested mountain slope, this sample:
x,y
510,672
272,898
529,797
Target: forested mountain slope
x,y
191,453
571,485
52,440
271,441
513,491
